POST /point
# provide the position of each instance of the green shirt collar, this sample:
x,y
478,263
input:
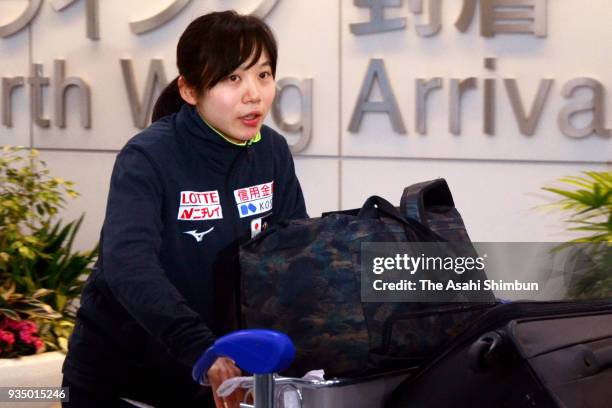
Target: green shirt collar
x,y
249,142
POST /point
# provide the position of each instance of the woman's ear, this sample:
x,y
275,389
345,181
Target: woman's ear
x,y
188,93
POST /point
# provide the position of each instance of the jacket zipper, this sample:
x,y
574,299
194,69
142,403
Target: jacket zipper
x,y
226,187
236,228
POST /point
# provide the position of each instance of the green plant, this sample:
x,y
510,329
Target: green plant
x,y
29,198
589,203
17,306
60,269
36,254
56,265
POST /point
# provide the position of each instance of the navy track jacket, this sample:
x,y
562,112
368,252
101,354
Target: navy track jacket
x,y
181,201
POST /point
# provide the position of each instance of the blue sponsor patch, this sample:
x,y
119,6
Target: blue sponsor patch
x,y
247,209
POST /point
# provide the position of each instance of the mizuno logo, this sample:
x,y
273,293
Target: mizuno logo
x,y
198,235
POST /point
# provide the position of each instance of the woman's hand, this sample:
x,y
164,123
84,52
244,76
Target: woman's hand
x,y
223,369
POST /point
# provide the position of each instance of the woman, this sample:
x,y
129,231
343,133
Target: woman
x,y
184,194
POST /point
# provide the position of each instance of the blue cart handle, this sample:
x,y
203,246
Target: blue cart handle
x,y
255,351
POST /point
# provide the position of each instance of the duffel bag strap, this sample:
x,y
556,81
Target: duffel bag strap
x,y
417,197
375,207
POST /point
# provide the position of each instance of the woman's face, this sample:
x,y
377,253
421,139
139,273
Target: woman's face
x,y
238,104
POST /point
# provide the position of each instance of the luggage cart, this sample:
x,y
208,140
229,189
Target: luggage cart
x,y
265,352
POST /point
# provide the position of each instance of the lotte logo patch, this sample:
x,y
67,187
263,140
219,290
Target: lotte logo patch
x,y
255,199
199,206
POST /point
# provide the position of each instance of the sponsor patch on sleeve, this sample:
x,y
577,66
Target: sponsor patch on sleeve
x,y
255,199
199,205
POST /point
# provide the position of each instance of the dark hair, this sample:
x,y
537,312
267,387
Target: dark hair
x,y
210,49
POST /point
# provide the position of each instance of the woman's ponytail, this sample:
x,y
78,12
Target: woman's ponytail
x,y
168,102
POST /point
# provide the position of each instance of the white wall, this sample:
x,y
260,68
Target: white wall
x,y
496,180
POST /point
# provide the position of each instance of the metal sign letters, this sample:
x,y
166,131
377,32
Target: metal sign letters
x,y
525,17
514,17
496,17
262,9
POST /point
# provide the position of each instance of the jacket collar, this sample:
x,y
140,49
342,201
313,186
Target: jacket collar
x,y
255,138
213,148
190,121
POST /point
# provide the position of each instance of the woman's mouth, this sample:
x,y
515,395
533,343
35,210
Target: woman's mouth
x,y
251,120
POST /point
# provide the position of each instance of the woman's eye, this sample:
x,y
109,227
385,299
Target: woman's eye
x,y
265,75
233,78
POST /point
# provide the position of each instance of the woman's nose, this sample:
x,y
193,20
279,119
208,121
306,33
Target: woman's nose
x,y
251,91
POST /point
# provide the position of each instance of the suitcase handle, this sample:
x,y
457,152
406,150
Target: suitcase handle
x,y
595,360
484,352
604,356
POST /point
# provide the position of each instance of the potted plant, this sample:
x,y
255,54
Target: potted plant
x,y
589,205
41,276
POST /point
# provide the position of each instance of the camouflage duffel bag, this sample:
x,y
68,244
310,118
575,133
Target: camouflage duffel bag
x,y
303,278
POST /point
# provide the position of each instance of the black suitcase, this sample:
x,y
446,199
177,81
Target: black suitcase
x,y
524,354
